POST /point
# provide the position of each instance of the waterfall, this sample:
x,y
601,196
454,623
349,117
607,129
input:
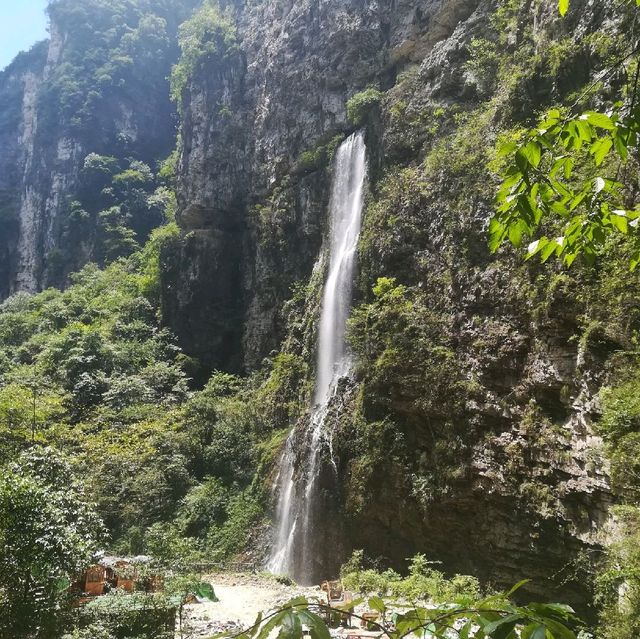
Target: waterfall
x,y
296,488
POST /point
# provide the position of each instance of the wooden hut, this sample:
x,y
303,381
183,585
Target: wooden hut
x,y
92,581
122,573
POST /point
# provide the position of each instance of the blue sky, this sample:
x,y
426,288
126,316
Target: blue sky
x,y
22,24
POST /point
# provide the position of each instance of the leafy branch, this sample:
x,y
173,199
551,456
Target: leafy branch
x,y
540,185
564,176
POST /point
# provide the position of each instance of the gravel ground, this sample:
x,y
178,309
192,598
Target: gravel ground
x,y
241,597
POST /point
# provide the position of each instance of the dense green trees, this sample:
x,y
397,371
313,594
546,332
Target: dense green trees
x,y
123,200
123,47
49,531
207,35
90,371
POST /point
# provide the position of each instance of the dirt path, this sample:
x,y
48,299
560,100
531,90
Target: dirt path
x,y
241,597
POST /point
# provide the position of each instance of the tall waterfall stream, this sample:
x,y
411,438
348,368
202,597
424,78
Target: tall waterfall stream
x,y
296,490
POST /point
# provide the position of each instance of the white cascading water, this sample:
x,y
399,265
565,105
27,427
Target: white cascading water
x,y
296,490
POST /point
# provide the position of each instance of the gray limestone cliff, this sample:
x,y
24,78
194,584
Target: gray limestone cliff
x,y
482,453
244,187
466,430
18,95
97,86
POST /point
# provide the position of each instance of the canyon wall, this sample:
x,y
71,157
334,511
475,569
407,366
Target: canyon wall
x,y
466,430
99,85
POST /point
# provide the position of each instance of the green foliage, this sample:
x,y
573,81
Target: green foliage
x,y
423,582
48,534
567,185
169,167
104,382
127,205
207,35
361,104
171,551
136,615
116,239
100,166
150,263
621,410
204,506
122,46
319,157
620,426
282,396
138,474
618,582
484,63
26,408
618,579
91,371
132,177
96,331
540,185
465,153
244,516
218,422
92,631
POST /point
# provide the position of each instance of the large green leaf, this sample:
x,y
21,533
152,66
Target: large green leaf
x,y
317,627
599,119
377,604
506,622
205,590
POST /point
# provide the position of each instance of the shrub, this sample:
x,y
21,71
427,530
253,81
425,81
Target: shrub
x,y
319,157
484,63
151,254
232,537
208,34
204,506
620,427
361,104
422,582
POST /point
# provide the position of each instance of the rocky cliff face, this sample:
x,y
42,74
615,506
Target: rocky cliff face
x,y
99,85
467,433
18,93
244,180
